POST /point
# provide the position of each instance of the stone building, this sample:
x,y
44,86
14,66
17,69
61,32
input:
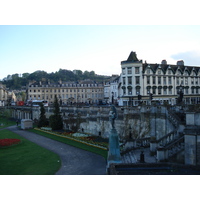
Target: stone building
x,y
3,95
86,91
111,90
163,82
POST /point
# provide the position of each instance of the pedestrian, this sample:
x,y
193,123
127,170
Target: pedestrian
x,y
17,122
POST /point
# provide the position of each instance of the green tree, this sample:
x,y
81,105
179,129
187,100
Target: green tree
x,y
55,120
42,120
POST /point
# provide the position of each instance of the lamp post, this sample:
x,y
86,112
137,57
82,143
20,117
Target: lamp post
x,y
112,98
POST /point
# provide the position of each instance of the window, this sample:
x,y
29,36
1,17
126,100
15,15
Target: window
x,y
154,80
148,79
192,89
124,91
137,90
186,81
192,81
181,81
159,90
165,91
130,80
169,71
123,71
170,80
130,91
148,71
159,71
137,70
159,80
170,90
164,81
196,81
129,70
177,80
137,80
124,81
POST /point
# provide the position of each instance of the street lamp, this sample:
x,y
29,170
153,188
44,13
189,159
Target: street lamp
x,y
112,97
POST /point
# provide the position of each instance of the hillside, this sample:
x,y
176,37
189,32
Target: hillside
x,y
17,81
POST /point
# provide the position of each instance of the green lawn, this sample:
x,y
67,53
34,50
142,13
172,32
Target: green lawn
x,y
5,123
101,152
26,158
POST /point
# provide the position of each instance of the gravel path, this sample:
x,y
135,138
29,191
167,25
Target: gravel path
x,y
74,161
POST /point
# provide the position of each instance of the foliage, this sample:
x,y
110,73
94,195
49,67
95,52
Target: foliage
x,y
17,81
55,120
42,120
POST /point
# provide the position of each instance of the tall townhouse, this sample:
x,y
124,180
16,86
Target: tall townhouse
x,y
163,82
3,95
68,93
111,90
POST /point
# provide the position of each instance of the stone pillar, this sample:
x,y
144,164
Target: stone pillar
x,y
153,146
190,149
162,154
114,149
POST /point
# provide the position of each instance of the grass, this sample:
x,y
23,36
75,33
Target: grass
x,y
73,143
5,123
26,158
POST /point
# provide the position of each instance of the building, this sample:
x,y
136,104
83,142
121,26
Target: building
x,y
111,90
163,83
3,95
68,93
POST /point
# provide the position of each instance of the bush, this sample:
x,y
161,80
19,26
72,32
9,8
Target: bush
x,y
55,120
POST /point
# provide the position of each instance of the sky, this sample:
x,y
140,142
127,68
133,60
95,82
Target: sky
x,y
28,48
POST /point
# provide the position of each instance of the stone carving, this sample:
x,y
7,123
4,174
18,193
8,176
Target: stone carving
x,y
113,116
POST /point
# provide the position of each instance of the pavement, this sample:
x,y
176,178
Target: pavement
x,y
74,161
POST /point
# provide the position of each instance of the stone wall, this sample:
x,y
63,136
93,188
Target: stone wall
x,y
131,123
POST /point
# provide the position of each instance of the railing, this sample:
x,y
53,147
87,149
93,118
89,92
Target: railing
x,y
170,145
167,139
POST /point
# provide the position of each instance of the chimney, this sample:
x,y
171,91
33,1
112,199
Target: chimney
x,y
180,62
164,62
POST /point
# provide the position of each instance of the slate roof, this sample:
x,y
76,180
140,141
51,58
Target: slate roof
x,y
174,68
132,58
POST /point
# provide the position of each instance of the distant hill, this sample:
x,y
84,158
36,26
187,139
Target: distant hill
x,y
17,81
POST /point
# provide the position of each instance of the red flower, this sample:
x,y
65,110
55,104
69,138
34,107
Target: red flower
x,y
9,142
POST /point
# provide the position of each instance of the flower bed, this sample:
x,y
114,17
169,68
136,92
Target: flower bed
x,y
9,142
82,138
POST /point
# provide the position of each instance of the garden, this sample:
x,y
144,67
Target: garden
x,y
19,156
89,142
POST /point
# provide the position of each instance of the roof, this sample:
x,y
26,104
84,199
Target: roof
x,y
174,68
132,58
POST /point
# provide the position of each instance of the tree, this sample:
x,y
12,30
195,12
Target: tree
x,y
42,120
55,120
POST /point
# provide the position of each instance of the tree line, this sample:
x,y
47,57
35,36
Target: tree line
x,y
17,81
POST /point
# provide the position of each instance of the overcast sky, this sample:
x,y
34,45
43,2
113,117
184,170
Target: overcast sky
x,y
27,48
